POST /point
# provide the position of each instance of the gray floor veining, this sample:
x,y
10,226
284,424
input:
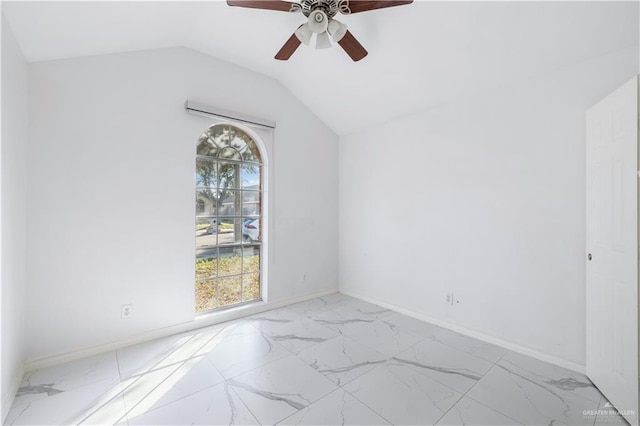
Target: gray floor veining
x,y
328,361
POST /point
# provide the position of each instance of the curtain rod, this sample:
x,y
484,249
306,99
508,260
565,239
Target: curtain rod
x,y
209,111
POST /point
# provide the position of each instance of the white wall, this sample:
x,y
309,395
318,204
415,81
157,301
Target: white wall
x,y
111,192
13,154
484,197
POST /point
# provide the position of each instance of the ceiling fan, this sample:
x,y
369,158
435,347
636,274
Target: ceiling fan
x,y
320,21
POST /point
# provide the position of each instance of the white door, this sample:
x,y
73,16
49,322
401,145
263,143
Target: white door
x,y
612,247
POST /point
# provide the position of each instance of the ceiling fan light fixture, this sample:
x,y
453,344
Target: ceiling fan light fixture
x,y
336,29
323,41
318,21
303,33
319,14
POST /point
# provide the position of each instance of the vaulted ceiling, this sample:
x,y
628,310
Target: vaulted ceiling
x,y
420,56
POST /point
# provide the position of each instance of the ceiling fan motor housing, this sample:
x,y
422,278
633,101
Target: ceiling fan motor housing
x,y
329,7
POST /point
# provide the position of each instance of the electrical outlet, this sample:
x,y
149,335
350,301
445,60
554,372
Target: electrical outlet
x,y
449,299
126,311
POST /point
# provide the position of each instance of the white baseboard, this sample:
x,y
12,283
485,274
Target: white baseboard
x,y
10,394
216,318
199,322
475,334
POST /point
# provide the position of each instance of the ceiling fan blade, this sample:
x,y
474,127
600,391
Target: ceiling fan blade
x,y
353,48
288,48
357,6
284,6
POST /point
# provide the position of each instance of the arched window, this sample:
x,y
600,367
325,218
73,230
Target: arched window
x,y
229,188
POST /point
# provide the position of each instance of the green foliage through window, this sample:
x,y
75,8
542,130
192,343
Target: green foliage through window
x,y
228,218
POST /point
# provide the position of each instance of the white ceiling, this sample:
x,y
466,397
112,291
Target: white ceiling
x,y
420,55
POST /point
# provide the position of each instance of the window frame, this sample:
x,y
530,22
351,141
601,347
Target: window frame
x,y
239,245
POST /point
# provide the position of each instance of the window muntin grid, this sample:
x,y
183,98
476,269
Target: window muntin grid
x,y
228,218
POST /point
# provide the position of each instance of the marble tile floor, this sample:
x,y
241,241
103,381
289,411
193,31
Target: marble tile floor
x,y
327,361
